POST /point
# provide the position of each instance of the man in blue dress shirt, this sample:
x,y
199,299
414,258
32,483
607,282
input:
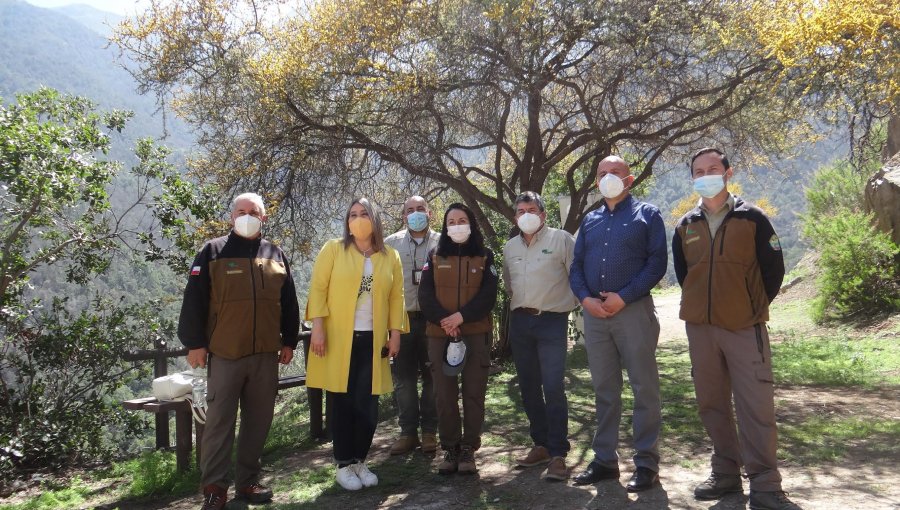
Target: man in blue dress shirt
x,y
620,254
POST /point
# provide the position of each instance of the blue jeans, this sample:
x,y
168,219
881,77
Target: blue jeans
x,y
409,364
539,351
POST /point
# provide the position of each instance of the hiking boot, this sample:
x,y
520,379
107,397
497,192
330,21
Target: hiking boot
x,y
538,455
557,470
450,463
214,497
467,460
429,442
254,493
718,485
346,477
404,444
365,476
775,500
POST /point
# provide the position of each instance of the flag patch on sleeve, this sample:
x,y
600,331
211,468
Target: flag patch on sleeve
x,y
195,271
774,243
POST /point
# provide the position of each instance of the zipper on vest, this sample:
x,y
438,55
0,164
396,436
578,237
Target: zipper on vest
x,y
712,253
253,286
262,276
458,276
722,241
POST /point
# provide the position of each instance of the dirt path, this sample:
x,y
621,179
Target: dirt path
x,y
866,476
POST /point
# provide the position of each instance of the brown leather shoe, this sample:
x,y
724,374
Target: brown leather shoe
x,y
404,444
214,497
429,443
557,469
254,493
538,455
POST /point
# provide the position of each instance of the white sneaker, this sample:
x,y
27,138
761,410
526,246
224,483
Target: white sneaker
x,y
367,477
346,477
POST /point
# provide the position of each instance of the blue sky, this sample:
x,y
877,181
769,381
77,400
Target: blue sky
x,y
122,7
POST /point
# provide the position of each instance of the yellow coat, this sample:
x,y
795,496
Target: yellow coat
x,y
333,291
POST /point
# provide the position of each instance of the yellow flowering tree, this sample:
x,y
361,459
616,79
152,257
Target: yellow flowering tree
x,y
843,56
483,98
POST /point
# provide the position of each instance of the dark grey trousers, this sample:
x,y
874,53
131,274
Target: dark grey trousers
x,y
626,340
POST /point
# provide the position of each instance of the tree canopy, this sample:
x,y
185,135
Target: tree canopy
x,y
485,98
841,56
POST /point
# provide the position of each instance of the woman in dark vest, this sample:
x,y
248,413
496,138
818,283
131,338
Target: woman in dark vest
x,y
457,292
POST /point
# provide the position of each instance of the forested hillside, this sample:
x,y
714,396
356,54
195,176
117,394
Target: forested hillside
x,y
66,49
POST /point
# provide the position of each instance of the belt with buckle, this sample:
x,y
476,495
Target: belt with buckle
x,y
529,311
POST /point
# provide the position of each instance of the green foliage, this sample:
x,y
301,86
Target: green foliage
x,y
73,496
860,276
155,473
55,201
834,188
58,368
60,360
54,192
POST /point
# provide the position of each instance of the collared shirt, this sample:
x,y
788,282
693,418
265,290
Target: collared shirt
x,y
621,250
537,275
413,256
715,218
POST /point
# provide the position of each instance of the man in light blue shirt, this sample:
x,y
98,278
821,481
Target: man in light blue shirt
x,y
620,254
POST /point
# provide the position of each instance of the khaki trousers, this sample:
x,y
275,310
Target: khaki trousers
x,y
250,382
453,430
738,363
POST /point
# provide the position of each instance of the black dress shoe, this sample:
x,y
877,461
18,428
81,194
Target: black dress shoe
x,y
642,479
594,473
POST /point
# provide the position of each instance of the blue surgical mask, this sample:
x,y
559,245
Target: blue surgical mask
x,y
709,186
417,221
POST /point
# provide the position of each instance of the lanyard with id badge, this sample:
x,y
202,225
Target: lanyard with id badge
x,y
416,267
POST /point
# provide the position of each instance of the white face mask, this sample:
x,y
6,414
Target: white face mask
x,y
459,233
247,226
611,186
529,223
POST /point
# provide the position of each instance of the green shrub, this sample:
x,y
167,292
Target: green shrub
x,y
859,274
859,271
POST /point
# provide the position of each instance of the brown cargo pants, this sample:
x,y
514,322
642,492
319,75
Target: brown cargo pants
x,y
454,431
738,363
250,382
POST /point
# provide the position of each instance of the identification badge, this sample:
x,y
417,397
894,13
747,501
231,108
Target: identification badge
x,y
416,276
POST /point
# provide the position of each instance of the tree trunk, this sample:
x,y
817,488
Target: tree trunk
x,y
893,136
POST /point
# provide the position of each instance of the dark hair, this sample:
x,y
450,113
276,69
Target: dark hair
x,y
707,150
529,197
473,247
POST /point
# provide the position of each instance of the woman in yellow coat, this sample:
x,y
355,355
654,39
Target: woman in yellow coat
x,y
358,312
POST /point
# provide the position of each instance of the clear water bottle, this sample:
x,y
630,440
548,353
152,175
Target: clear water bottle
x,y
198,387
